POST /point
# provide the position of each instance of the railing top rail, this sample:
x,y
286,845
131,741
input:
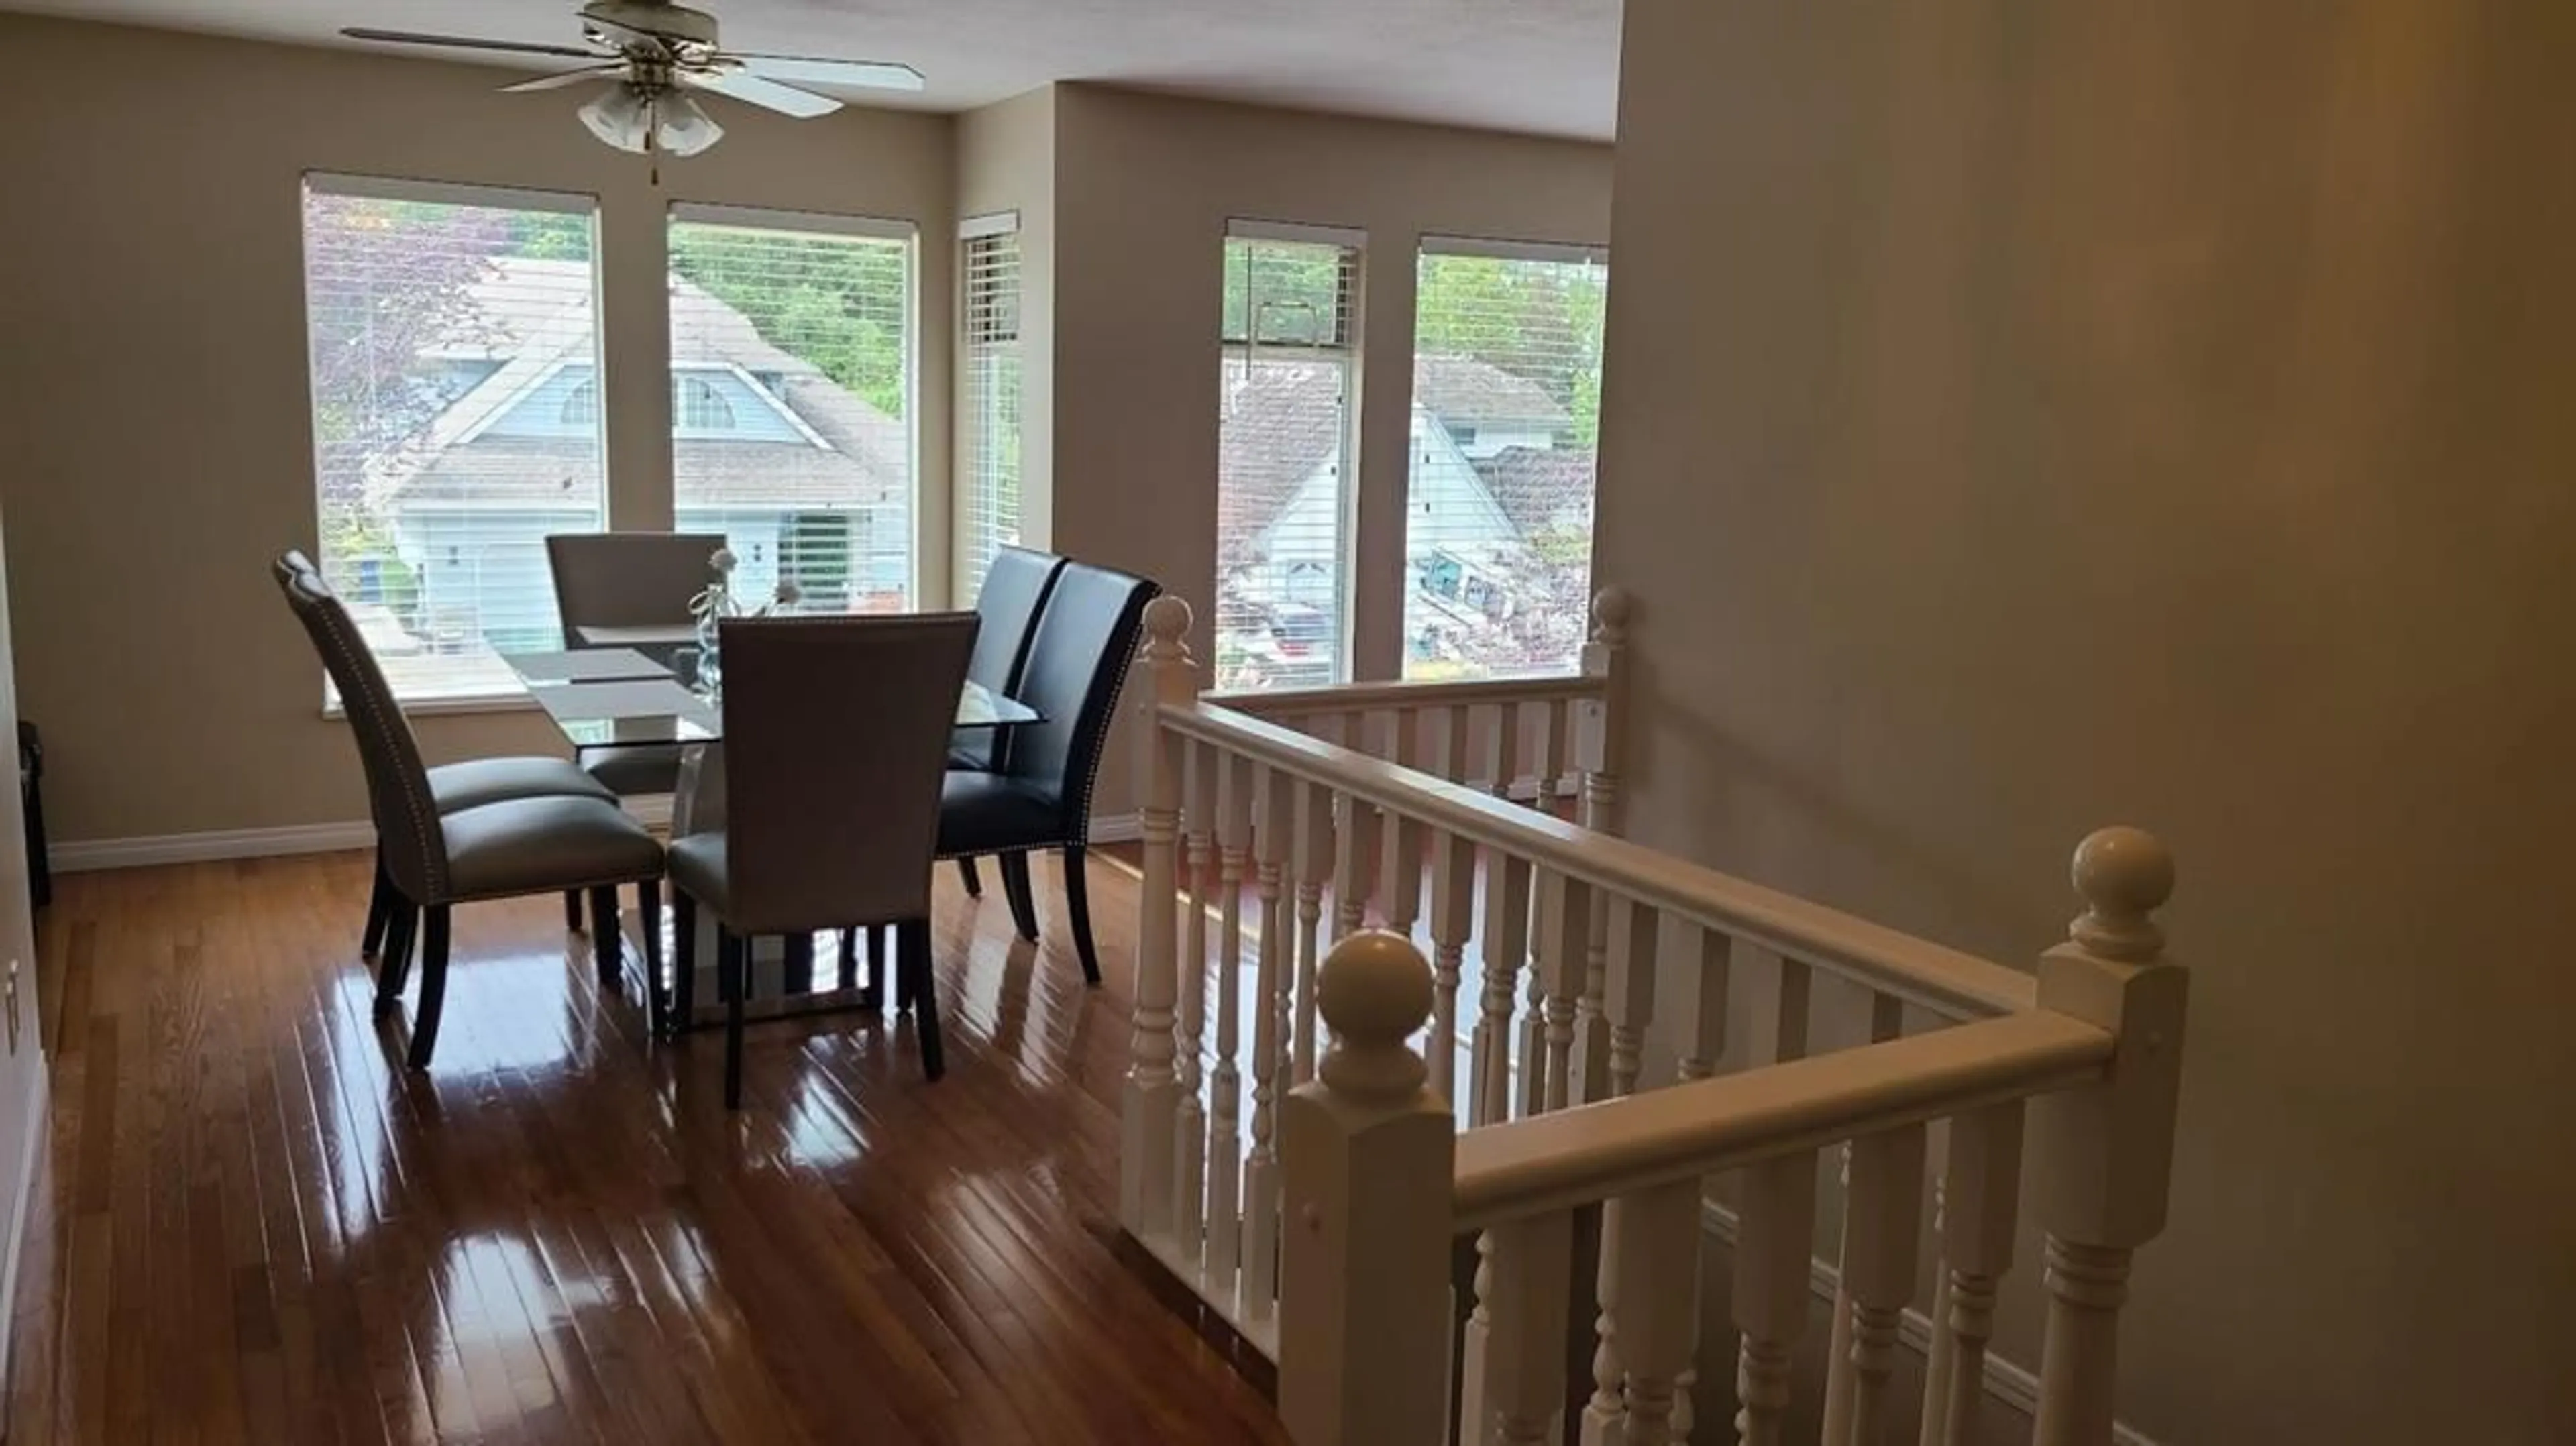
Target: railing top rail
x,y
1574,1157
1945,981
1449,693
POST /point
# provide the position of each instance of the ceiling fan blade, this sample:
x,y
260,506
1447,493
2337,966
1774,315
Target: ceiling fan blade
x,y
768,94
569,77
883,75
466,42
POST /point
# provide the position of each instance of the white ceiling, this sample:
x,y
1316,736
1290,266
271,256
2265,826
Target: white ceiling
x,y
1543,66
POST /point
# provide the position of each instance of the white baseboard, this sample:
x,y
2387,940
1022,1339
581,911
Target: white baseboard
x,y
2007,1381
1116,828
83,855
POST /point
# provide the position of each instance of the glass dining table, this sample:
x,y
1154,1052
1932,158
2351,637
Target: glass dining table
x,y
622,697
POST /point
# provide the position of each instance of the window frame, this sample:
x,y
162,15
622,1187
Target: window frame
x,y
1345,350
966,456
587,205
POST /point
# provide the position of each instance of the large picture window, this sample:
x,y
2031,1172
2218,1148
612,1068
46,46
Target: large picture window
x,y
450,331
1290,344
988,399
792,401
1506,409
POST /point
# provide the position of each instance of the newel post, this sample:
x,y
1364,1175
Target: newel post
x,y
2103,1156
1600,753
1152,1096
1368,1155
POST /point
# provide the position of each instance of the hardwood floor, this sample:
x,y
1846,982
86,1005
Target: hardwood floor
x,y
254,1225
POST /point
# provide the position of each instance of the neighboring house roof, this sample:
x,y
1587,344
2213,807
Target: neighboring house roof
x,y
1538,487
534,316
1284,421
1464,392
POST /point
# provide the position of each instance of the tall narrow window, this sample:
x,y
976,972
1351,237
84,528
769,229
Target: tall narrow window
x,y
450,332
791,403
988,403
1506,406
1290,343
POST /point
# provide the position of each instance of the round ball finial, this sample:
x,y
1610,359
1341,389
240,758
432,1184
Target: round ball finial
x,y
1610,609
2124,875
1167,619
1374,991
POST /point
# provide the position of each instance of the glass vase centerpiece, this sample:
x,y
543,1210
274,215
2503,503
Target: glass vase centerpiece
x,y
719,601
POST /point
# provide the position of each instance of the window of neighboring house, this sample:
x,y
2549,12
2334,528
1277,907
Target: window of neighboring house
x,y
792,422
697,405
988,399
1506,406
436,317
1290,344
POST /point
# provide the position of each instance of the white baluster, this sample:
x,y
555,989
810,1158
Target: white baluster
x,y
1703,1021
1886,1021
1547,751
1453,910
1631,942
1270,840
2105,1153
1399,889
1198,818
1314,854
1531,1028
1938,1364
1531,1260
1355,835
1149,1104
1369,1156
1503,750
1594,764
1657,1270
1981,1211
1882,1230
1774,1242
1506,945
1225,1139
1562,956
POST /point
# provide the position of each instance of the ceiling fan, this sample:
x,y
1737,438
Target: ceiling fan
x,y
651,54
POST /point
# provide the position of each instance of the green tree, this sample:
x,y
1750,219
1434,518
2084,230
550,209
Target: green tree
x,y
837,302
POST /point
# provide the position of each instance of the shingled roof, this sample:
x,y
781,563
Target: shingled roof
x,y
543,307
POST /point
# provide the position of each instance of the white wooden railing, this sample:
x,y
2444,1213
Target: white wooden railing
x,y
1315,1208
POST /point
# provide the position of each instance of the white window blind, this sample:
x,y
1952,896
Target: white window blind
x,y
792,401
1290,338
1506,407
988,463
448,331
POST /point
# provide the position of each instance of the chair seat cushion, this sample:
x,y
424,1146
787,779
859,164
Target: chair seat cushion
x,y
479,781
983,813
698,869
540,845
634,772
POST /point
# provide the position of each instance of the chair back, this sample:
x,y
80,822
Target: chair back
x,y
1015,590
1078,659
628,579
836,736
406,817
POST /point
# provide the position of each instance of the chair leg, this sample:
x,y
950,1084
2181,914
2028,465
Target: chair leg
x,y
967,875
572,911
1015,886
394,962
684,963
606,938
1077,908
433,986
648,909
380,909
730,951
913,949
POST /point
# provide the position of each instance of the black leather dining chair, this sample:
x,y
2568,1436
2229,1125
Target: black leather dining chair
x,y
1013,594
453,787
1039,797
834,732
435,861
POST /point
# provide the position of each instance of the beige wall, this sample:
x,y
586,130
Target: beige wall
x,y
1145,185
2024,417
153,394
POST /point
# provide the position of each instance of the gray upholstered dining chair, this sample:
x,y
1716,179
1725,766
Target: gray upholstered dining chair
x,y
435,861
1040,796
835,731
630,589
454,787
1015,588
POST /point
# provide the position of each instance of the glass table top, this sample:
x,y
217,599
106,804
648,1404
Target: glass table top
x,y
606,704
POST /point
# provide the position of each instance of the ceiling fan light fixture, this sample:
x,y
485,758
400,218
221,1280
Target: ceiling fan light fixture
x,y
621,115
685,127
